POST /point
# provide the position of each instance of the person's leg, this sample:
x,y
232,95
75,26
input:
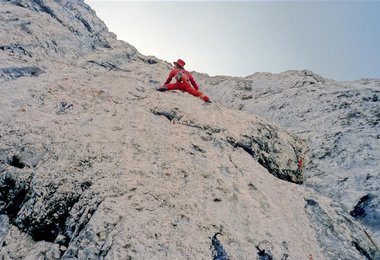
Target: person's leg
x,y
197,93
173,86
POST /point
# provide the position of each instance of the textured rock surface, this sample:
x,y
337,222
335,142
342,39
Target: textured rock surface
x,y
340,122
95,164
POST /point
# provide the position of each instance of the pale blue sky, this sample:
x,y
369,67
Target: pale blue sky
x,y
339,40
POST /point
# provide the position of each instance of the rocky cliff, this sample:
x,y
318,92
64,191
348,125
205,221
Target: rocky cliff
x,y
95,164
340,121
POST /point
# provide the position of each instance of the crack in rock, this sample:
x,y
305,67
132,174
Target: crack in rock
x,y
262,144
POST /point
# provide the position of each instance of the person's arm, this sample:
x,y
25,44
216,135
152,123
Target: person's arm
x,y
171,75
195,85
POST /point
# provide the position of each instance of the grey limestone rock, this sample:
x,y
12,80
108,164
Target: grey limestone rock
x,y
339,122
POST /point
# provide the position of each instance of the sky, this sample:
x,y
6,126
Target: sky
x,y
339,40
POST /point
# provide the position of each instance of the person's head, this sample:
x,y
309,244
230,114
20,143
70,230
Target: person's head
x,y
179,63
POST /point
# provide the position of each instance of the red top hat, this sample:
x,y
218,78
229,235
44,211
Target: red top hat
x,y
179,63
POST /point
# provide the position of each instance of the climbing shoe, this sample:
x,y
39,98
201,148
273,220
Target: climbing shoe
x,y
162,88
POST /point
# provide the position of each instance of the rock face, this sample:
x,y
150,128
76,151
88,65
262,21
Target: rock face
x,y
95,164
340,121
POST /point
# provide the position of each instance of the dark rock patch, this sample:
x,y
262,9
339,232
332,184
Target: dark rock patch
x,y
16,49
362,250
85,23
85,185
13,73
252,186
170,115
260,151
63,106
13,193
311,202
151,61
48,224
263,254
16,162
108,66
359,209
218,252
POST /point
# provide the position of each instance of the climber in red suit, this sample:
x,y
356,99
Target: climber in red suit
x,y
184,78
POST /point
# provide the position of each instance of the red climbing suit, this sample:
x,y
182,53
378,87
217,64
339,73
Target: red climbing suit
x,y
184,85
